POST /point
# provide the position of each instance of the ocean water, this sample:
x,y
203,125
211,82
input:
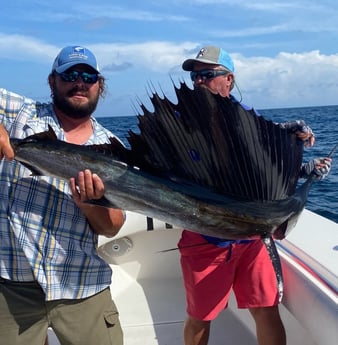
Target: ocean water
x,y
323,196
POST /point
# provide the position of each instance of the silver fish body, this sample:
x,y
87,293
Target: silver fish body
x,y
188,206
203,163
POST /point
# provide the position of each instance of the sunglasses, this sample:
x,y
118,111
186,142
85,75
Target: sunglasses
x,y
89,78
206,74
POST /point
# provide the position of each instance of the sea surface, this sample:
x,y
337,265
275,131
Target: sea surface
x,y
323,196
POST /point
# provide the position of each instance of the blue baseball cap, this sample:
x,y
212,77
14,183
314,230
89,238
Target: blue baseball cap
x,y
211,55
74,55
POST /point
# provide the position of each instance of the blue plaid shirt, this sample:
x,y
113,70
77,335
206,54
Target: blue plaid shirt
x,y
44,237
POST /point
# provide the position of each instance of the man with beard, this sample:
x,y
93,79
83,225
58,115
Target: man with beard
x,y
50,272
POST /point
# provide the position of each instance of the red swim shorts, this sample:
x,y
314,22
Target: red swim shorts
x,y
210,272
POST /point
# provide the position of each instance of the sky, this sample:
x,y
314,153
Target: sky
x,y
285,51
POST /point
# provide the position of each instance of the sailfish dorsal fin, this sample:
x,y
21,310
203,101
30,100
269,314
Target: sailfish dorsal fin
x,y
214,142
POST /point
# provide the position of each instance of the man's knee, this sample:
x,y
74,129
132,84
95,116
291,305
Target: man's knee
x,y
266,314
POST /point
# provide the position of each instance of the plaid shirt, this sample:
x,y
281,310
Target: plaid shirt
x,y
44,237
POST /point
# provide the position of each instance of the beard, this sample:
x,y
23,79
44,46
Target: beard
x,y
71,109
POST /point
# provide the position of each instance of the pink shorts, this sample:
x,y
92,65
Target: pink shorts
x,y
210,272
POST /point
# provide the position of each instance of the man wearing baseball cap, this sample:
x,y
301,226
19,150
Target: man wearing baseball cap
x,y
50,272
212,267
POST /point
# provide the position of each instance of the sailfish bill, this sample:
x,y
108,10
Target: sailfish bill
x,y
203,163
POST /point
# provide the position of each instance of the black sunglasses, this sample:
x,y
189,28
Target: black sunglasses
x,y
89,78
207,74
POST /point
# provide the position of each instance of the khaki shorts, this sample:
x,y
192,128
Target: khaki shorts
x,y
25,317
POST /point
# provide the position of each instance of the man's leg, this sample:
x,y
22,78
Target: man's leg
x,y
23,315
93,320
196,332
269,326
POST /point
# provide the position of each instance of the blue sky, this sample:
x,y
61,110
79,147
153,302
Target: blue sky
x,y
285,52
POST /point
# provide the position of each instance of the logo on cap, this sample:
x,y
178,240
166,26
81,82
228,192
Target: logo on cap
x,y
78,52
201,53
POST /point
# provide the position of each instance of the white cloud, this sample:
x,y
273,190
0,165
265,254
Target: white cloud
x,y
287,79
156,56
25,48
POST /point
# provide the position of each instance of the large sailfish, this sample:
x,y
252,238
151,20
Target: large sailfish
x,y
203,163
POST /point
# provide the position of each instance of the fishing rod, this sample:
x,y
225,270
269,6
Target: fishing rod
x,y
332,151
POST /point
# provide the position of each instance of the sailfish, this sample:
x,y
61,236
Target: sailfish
x,y
203,163
223,155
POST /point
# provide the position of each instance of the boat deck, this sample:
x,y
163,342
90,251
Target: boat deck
x,y
148,289
152,306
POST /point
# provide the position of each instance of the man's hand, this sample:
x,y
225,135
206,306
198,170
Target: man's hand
x,y
319,166
103,220
86,187
6,149
302,131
